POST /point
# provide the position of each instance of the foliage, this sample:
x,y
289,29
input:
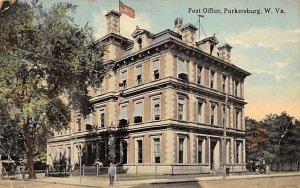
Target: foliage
x,y
47,64
275,138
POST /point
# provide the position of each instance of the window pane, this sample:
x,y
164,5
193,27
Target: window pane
x,y
200,150
180,149
140,151
156,109
182,67
123,113
157,150
124,152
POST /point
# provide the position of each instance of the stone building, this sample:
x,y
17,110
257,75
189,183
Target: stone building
x,y
163,106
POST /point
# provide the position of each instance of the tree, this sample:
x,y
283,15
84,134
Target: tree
x,y
47,64
277,143
275,138
256,137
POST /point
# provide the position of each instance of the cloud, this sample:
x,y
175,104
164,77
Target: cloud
x,y
91,1
283,64
279,76
127,24
261,71
267,37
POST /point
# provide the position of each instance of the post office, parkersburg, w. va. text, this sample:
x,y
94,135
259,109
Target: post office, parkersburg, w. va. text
x,y
225,11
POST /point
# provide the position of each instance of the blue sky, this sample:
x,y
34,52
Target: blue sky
x,y
267,45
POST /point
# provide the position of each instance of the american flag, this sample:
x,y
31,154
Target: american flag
x,y
126,10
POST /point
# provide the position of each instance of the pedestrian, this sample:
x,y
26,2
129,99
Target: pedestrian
x,y
23,169
227,171
111,174
267,169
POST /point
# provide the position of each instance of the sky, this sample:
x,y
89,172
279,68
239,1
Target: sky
x,y
267,44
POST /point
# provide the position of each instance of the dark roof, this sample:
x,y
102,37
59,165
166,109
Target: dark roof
x,y
212,39
226,45
113,12
157,38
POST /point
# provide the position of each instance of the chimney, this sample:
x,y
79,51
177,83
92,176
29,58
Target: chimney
x,y
188,33
224,52
113,22
178,24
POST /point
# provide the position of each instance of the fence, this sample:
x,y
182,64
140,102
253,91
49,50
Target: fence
x,y
285,166
155,170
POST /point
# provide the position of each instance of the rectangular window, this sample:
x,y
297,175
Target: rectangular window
x,y
124,79
182,70
102,118
181,103
200,112
199,75
212,79
156,150
52,153
212,114
156,109
78,122
138,112
123,117
139,72
236,88
140,151
123,112
156,68
223,115
88,119
224,83
180,150
237,152
200,150
237,113
124,152
60,153
69,155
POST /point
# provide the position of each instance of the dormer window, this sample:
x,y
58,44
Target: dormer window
x,y
139,41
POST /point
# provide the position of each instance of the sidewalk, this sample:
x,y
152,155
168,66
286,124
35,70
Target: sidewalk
x,y
93,181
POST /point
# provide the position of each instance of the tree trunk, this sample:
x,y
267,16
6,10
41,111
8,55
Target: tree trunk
x,y
29,150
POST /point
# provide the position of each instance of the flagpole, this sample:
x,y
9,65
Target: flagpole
x,y
120,18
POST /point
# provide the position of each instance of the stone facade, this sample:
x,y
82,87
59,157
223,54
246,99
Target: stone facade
x,y
163,108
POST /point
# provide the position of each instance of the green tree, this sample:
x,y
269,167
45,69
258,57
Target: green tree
x,y
278,127
47,64
256,138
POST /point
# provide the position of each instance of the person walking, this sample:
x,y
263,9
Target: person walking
x,y
111,174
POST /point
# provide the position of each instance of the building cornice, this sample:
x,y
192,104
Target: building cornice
x,y
177,45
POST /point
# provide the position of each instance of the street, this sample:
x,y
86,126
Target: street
x,y
270,182
278,182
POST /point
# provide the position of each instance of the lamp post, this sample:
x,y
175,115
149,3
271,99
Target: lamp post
x,y
224,138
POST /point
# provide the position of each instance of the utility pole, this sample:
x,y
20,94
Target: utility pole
x,y
200,24
224,153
